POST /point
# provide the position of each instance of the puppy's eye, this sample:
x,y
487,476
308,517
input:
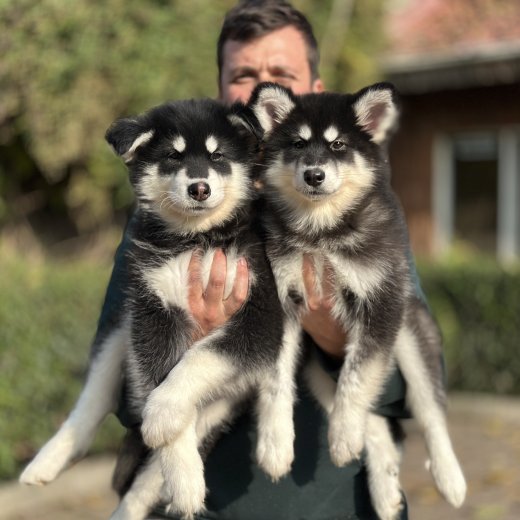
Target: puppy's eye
x,y
299,144
338,146
216,156
174,155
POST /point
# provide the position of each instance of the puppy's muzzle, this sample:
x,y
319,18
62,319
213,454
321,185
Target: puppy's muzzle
x,y
199,191
314,176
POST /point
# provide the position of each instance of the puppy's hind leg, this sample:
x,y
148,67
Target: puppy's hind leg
x,y
383,460
144,493
428,412
183,472
97,399
382,455
321,384
214,415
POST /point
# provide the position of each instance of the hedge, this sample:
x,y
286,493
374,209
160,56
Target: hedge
x,y
48,313
477,305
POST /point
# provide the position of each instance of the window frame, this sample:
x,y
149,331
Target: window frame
x,y
508,203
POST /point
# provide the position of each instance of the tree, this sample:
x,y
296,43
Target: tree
x,y
67,73
68,70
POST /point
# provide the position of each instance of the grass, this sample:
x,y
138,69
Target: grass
x,y
48,315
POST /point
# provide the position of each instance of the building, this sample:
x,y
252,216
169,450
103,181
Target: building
x,y
456,157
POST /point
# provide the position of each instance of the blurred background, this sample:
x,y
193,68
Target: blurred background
x,y
67,70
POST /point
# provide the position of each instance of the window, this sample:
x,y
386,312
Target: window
x,y
477,191
475,178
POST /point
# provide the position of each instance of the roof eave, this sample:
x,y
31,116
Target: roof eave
x,y
467,67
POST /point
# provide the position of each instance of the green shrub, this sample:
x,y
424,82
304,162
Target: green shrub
x,y
477,305
48,314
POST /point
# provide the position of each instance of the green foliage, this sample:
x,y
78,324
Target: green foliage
x,y
349,43
48,314
476,304
67,71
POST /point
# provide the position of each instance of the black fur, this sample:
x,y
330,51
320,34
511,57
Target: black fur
x,y
372,232
169,145
161,335
328,195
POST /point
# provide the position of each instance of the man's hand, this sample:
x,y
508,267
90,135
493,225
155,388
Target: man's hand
x,y
318,322
208,307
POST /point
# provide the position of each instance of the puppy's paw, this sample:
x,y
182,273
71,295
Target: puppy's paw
x,y
275,453
129,511
385,491
390,506
184,489
163,419
52,459
449,478
346,439
187,505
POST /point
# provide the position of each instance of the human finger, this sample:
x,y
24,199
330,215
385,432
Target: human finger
x,y
214,293
195,286
240,288
309,282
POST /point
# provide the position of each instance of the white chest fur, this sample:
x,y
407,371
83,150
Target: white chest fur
x,y
344,272
361,279
170,282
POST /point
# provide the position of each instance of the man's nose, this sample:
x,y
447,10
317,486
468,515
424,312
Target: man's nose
x,y
265,76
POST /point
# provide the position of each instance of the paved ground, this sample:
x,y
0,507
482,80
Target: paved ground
x,y
486,435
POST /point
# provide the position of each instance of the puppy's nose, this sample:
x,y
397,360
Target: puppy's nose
x,y
314,176
199,191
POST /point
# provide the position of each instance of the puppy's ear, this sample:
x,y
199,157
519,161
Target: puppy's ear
x,y
377,111
125,136
271,104
244,119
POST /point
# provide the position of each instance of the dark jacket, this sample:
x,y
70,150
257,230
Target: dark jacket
x,y
237,489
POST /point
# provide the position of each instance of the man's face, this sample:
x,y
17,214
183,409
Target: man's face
x,y
279,56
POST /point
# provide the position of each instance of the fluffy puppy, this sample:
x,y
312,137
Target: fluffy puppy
x,y
328,195
189,163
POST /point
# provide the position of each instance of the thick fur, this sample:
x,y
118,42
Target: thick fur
x,y
327,187
189,164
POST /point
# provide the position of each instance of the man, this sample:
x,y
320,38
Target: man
x,y
270,41
261,43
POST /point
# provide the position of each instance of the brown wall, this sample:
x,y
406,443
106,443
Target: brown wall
x,y
424,116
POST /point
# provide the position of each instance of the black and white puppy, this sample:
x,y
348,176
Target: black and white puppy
x,y
328,193
190,166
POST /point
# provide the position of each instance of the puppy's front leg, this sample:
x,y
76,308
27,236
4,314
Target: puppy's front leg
x,y
275,447
382,455
198,376
97,399
360,381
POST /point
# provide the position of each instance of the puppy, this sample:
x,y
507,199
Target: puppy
x,y
190,165
328,195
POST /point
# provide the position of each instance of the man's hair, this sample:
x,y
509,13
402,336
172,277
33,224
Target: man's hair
x,y
251,19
